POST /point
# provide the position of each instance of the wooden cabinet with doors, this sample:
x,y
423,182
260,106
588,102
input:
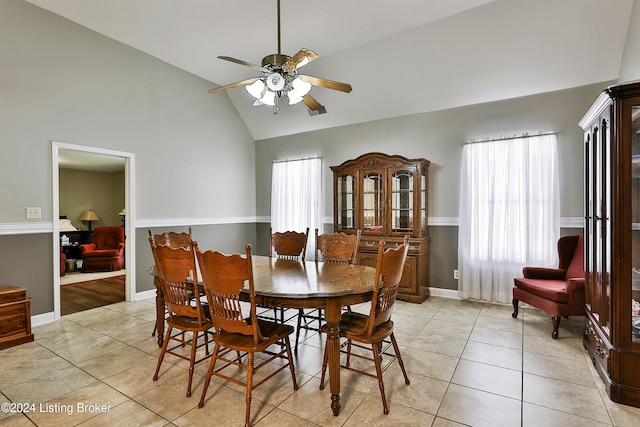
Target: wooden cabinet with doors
x,y
385,196
612,240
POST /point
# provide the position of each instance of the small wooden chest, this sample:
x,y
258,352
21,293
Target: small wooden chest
x,y
15,317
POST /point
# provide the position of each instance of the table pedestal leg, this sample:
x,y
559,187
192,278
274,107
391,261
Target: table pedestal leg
x,y
332,314
159,311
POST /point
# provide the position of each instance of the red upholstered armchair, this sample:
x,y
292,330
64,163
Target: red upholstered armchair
x,y
63,265
106,253
558,292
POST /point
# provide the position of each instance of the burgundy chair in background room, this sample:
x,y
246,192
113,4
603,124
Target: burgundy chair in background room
x,y
106,253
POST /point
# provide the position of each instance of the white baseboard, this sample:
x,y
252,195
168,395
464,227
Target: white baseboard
x,y
42,319
445,293
145,294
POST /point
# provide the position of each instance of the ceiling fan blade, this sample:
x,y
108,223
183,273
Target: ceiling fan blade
x,y
303,57
311,102
329,84
241,62
232,85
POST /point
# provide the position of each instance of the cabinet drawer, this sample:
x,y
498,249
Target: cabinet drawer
x,y
598,349
12,294
13,318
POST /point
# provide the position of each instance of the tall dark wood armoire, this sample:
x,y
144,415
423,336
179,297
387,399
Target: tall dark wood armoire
x,y
612,239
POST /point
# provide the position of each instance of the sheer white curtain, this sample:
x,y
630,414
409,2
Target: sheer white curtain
x,y
296,196
509,213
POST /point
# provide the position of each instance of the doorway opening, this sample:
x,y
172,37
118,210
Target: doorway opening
x,y
75,170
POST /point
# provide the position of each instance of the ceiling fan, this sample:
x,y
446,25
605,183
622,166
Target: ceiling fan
x,y
280,77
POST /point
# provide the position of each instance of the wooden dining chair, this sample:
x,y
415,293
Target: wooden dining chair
x,y
177,274
287,245
376,329
336,248
223,278
174,240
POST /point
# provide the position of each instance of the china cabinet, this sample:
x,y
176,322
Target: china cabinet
x,y
612,239
385,196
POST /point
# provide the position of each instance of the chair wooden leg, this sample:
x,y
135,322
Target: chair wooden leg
x,y
162,352
377,348
247,419
348,354
192,361
515,308
212,366
300,312
556,323
396,349
325,362
291,367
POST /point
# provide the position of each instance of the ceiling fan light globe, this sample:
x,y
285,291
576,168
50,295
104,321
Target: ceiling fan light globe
x,y
256,89
294,98
300,86
269,98
275,82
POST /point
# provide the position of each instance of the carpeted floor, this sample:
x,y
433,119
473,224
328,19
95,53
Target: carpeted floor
x,y
84,296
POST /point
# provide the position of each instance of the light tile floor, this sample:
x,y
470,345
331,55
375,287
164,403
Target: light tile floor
x,y
469,364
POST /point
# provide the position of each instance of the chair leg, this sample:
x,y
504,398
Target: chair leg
x,y
556,323
377,348
247,418
399,357
325,362
515,308
300,313
348,353
212,366
287,344
192,361
162,352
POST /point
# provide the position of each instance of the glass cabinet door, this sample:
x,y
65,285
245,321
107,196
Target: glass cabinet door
x,y
345,203
635,223
402,201
372,203
423,202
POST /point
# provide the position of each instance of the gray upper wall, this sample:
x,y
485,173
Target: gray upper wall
x,y
62,82
439,137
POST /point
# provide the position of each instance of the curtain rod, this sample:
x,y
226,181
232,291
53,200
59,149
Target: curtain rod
x,y
508,137
297,159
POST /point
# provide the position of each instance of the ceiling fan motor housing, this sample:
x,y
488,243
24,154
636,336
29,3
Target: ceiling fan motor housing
x,y
275,60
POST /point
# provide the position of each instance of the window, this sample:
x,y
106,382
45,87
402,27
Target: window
x,y
509,213
296,196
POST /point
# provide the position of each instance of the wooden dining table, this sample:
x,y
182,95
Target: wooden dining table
x,y
303,284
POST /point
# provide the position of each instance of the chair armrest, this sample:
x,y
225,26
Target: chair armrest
x,y
544,273
89,247
120,246
574,285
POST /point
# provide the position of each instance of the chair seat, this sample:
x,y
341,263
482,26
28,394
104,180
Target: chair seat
x,y
353,326
271,331
101,253
554,290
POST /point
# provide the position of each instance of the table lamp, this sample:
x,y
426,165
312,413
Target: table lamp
x,y
89,216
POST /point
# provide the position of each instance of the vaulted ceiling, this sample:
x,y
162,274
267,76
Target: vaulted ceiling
x,y
401,57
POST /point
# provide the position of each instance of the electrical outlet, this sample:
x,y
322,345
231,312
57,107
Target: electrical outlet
x,y
456,276
33,213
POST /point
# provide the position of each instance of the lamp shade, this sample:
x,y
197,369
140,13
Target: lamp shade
x,y
89,216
